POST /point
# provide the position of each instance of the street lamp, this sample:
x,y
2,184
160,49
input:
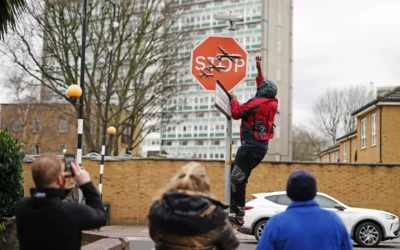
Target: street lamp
x,y
74,92
82,83
110,130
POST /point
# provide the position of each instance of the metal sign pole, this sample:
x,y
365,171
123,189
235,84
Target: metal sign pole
x,y
222,103
228,141
228,160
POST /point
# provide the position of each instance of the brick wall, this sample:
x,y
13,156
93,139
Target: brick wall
x,y
391,134
129,185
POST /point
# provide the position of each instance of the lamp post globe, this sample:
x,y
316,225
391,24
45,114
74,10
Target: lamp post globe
x,y
74,91
111,130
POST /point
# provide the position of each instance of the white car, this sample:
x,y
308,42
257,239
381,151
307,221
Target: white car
x,y
367,227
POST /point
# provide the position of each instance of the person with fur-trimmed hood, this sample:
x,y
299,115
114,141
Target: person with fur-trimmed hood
x,y
185,215
256,129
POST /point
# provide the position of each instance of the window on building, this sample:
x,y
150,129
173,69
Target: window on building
x,y
217,127
216,156
200,127
373,126
17,126
195,128
184,128
205,156
215,142
93,127
211,156
205,127
185,116
183,143
199,142
126,133
364,133
200,114
63,126
221,156
61,147
344,152
37,126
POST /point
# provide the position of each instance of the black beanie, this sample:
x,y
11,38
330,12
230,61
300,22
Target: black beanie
x,y
301,186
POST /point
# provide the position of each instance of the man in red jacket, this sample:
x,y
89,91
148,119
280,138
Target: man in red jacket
x,y
256,128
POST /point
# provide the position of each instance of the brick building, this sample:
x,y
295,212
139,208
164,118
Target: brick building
x,y
41,128
377,138
48,128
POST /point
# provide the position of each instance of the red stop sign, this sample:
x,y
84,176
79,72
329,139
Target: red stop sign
x,y
219,58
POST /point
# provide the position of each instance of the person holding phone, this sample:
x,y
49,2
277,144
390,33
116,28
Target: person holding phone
x,y
44,221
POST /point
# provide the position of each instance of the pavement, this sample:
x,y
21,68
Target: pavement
x,y
140,234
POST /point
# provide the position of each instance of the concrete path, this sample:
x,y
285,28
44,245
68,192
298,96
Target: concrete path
x,y
140,236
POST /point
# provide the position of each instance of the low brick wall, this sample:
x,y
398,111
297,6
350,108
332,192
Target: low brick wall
x,y
128,186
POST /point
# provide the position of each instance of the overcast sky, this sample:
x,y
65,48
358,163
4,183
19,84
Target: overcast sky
x,y
343,42
339,43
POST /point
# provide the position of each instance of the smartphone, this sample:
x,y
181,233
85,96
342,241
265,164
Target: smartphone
x,y
68,158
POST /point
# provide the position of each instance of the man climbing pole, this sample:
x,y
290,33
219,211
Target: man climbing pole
x,y
257,127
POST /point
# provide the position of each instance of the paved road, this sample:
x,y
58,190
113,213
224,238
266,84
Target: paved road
x,y
251,245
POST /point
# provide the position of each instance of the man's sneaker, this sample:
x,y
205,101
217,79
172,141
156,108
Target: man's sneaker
x,y
237,220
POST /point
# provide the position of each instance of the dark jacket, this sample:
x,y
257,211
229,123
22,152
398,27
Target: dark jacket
x,y
257,114
184,220
44,221
306,226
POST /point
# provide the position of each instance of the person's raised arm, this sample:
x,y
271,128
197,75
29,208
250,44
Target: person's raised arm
x,y
258,65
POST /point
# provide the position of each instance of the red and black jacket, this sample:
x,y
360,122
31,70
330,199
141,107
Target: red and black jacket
x,y
258,115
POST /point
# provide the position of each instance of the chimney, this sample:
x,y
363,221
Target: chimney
x,y
372,91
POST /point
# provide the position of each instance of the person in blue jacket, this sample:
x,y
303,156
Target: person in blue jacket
x,y
304,225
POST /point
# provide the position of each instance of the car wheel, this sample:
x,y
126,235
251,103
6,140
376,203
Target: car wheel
x,y
259,229
368,234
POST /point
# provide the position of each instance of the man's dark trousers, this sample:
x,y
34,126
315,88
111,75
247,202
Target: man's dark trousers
x,y
247,158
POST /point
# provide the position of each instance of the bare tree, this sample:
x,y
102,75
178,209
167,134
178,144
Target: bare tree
x,y
24,93
144,64
332,111
306,143
353,98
